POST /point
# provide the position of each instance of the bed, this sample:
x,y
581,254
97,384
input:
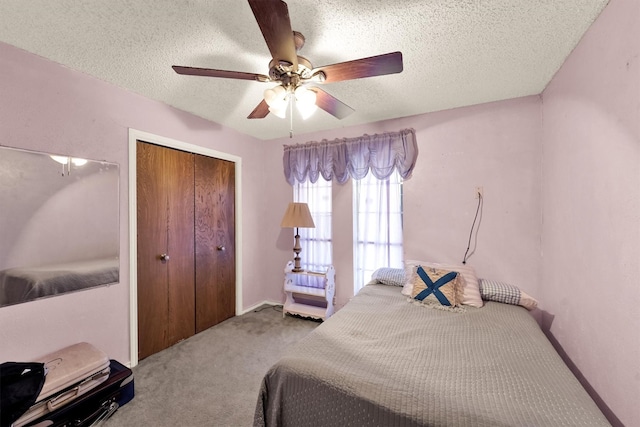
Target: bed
x,y
18,285
385,361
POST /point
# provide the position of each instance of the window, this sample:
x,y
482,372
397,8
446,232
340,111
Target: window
x,y
377,228
316,252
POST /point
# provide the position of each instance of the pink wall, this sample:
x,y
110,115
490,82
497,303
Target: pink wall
x,y
591,209
496,146
52,108
563,172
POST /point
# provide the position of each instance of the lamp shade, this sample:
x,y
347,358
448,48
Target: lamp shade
x,y
297,215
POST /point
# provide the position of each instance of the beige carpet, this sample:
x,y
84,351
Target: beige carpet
x,y
211,379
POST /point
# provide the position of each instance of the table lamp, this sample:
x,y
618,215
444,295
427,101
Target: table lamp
x,y
297,215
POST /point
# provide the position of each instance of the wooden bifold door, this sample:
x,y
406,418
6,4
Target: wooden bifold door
x,y
186,245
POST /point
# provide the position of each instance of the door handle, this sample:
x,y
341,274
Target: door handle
x,y
220,248
164,257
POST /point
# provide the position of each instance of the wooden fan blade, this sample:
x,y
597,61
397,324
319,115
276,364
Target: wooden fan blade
x,y
273,20
210,72
388,63
260,112
331,105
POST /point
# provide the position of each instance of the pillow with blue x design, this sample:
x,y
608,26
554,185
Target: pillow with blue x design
x,y
433,286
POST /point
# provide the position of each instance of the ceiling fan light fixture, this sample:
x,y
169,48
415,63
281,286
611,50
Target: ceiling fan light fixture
x,y
307,111
305,101
305,96
276,96
279,111
63,160
290,70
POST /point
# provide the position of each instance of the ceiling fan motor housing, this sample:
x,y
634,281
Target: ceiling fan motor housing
x,y
278,70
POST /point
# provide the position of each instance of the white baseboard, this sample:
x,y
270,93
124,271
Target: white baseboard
x,y
253,307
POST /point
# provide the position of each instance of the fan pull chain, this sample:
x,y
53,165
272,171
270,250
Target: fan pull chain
x,y
291,115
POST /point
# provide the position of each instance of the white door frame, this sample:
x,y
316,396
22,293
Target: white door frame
x,y
135,135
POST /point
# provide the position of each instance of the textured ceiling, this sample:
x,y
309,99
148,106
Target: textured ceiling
x,y
456,52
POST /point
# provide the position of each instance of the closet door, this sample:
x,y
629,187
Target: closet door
x,y
165,253
214,241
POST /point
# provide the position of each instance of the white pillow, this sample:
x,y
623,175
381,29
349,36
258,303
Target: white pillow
x,y
471,288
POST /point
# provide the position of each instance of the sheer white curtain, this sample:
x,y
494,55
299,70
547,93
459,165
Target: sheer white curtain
x,y
377,214
316,252
377,164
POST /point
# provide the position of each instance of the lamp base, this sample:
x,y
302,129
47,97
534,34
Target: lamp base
x,y
296,265
297,249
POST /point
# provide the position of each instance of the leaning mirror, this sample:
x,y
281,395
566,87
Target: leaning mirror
x,y
59,227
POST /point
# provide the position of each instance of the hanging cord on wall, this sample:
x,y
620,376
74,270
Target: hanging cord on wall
x,y
480,202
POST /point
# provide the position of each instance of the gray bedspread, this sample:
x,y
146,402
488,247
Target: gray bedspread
x,y
18,285
383,361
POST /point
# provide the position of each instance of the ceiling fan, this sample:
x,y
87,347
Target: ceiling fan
x,y
293,72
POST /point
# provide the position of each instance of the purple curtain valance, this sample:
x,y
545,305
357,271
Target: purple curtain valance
x,y
352,157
